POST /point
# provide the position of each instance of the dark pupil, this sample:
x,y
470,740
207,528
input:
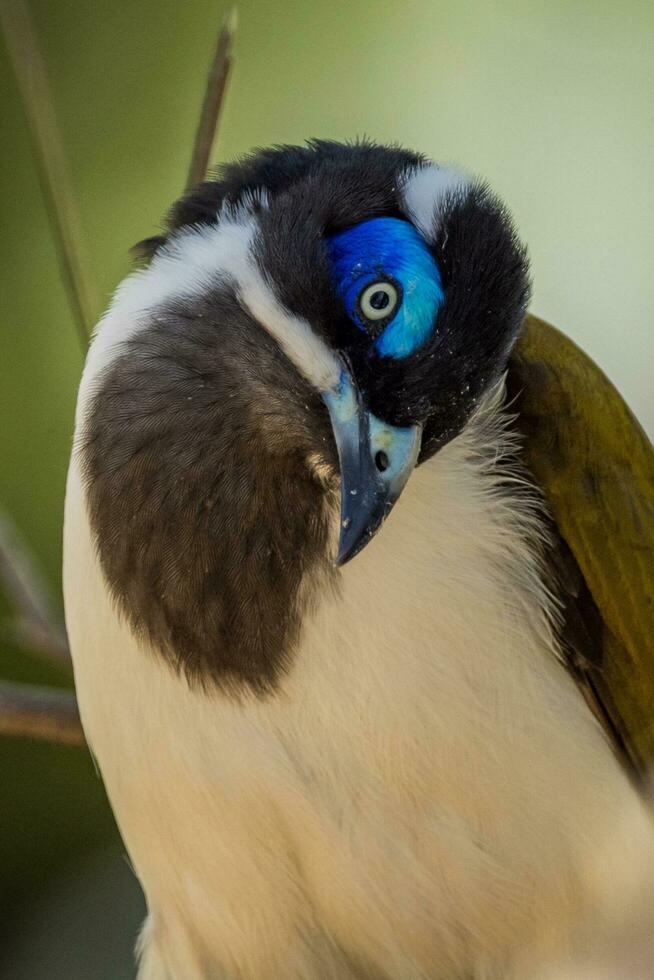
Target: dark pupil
x,y
379,300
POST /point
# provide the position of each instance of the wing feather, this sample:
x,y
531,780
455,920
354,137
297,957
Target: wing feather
x,y
595,466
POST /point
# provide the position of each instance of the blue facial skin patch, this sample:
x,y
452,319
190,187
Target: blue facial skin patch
x,y
389,250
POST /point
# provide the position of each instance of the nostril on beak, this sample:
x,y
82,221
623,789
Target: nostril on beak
x,y
381,461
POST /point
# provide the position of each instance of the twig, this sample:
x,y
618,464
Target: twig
x,y
43,713
35,626
214,95
33,83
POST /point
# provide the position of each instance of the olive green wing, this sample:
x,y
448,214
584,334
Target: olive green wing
x,y
595,466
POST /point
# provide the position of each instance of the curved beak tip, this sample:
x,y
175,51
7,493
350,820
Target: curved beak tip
x,y
376,460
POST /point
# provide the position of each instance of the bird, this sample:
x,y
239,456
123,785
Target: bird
x,y
356,558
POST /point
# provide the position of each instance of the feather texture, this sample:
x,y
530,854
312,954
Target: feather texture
x,y
426,795
595,466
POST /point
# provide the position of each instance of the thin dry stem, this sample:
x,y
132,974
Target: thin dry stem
x,y
35,626
34,86
214,97
43,713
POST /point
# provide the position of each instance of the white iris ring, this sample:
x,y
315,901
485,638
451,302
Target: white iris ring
x,y
379,300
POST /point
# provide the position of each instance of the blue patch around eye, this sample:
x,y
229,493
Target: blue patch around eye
x,y
389,248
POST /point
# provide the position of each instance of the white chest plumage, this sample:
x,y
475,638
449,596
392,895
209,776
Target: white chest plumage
x,y
427,796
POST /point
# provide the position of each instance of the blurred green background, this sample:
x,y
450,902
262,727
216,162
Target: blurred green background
x,y
552,101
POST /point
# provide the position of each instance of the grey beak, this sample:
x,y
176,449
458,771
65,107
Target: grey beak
x,y
376,460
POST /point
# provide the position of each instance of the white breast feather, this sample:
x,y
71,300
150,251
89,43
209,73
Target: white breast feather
x,y
427,796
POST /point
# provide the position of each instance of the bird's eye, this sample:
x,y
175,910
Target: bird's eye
x,y
379,301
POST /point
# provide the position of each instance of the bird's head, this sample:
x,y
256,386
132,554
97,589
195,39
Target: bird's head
x,y
315,322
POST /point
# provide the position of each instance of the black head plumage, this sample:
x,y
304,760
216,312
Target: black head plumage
x,y
316,190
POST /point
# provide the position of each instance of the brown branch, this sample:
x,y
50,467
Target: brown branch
x,y
205,135
43,713
34,86
28,711
35,627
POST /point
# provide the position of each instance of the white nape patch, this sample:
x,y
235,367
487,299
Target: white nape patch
x,y
303,347
193,262
424,189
